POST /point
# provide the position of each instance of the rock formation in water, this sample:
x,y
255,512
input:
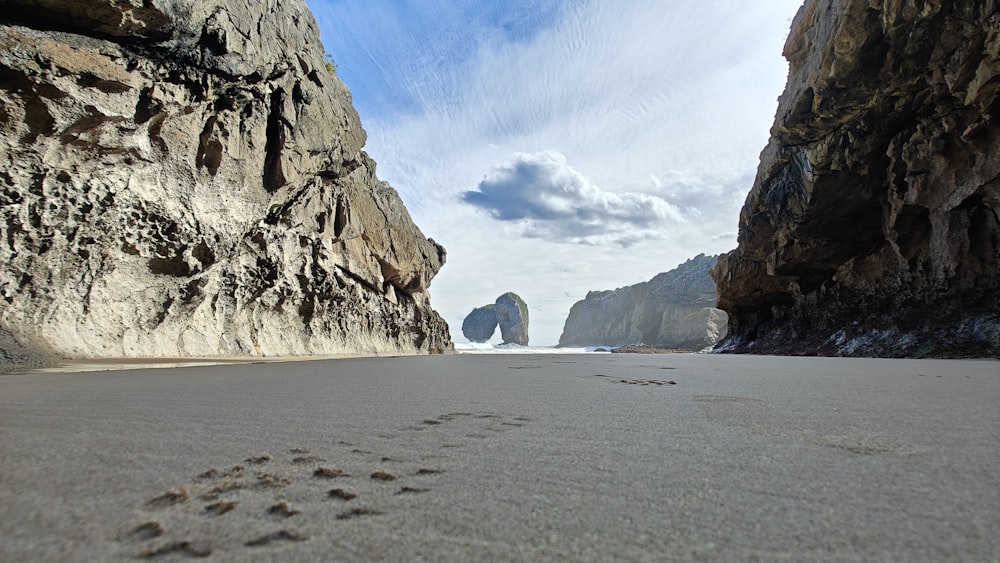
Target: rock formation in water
x,y
675,309
872,226
512,316
186,178
509,312
480,325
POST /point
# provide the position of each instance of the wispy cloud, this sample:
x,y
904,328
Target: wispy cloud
x,y
397,55
634,123
547,198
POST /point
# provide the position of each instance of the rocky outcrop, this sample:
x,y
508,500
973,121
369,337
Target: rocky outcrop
x,y
18,355
480,325
644,349
512,316
509,312
872,227
673,310
186,178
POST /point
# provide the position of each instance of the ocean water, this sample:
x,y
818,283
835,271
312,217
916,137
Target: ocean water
x,y
487,348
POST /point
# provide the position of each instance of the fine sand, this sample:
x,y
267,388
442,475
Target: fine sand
x,y
118,364
490,457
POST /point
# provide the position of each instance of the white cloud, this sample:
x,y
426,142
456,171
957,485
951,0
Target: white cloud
x,y
549,199
664,105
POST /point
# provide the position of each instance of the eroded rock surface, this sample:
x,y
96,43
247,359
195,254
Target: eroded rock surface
x,y
480,325
872,226
512,316
186,178
675,309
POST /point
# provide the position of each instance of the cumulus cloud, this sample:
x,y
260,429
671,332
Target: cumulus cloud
x,y
547,198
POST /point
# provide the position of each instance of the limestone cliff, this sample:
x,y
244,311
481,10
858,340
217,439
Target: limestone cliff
x,y
872,226
675,309
183,177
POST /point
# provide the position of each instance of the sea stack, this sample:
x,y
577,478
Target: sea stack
x,y
480,325
509,312
512,316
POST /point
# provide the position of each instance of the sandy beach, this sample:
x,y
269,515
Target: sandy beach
x,y
584,457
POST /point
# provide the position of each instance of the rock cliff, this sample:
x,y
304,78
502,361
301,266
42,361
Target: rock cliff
x,y
183,177
675,309
872,226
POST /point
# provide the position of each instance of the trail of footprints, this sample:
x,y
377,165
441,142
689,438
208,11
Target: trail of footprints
x,y
278,496
637,381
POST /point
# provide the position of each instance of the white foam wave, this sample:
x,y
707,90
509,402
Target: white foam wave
x,y
487,348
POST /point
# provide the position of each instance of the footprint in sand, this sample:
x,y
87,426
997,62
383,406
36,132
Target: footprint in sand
x,y
457,425
279,536
642,382
186,548
267,501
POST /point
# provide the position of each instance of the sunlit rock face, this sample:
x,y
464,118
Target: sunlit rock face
x,y
675,309
186,178
872,226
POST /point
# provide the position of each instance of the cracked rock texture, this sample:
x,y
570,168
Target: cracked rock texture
x,y
186,178
674,310
872,226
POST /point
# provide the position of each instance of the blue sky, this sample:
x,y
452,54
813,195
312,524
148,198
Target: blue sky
x,y
556,147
